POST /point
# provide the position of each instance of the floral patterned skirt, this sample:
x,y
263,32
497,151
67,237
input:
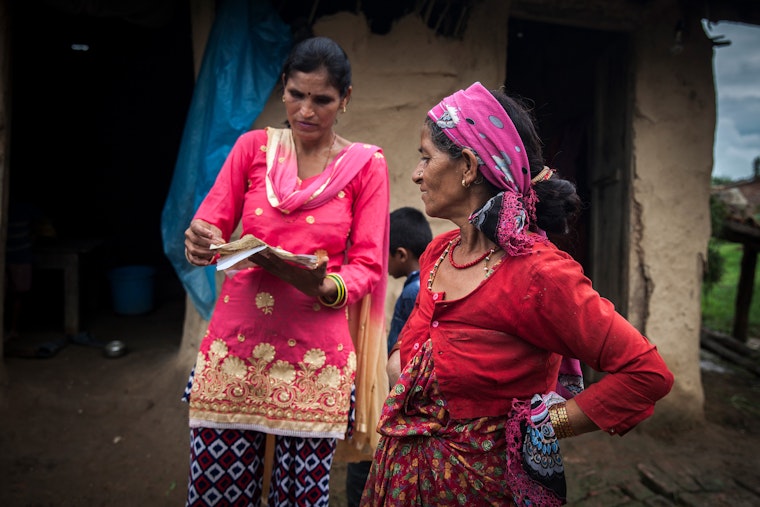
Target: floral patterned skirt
x,y
426,458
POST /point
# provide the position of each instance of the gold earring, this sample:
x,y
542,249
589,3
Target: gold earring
x,y
283,98
464,184
344,109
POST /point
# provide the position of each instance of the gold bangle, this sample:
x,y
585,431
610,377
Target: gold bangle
x,y
341,297
560,421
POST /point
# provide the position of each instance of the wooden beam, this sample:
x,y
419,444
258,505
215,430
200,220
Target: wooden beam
x,y
731,349
740,233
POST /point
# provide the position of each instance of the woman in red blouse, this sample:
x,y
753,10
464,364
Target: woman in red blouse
x,y
491,380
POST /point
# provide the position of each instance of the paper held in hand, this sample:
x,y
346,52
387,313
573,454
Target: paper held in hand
x,y
239,250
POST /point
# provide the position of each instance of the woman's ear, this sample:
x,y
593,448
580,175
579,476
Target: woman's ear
x,y
470,171
470,159
347,98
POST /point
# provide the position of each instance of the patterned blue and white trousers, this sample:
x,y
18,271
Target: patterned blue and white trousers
x,y
227,468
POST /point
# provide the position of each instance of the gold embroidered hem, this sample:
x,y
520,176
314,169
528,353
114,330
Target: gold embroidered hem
x,y
310,430
307,398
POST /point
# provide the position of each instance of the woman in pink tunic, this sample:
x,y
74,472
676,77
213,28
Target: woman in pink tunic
x,y
278,357
490,379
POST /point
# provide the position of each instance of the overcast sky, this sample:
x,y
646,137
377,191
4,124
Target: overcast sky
x,y
737,82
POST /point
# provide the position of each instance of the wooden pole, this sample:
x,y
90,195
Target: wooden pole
x,y
744,292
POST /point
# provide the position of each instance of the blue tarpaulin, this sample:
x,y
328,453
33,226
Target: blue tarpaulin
x,y
242,61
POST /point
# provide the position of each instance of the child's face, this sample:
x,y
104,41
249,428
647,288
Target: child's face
x,y
396,264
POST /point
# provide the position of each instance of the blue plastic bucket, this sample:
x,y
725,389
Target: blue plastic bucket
x,y
132,289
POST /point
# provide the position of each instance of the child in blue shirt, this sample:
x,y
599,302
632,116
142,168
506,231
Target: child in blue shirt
x,y
410,234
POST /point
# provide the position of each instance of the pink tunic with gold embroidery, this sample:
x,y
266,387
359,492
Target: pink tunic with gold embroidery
x,y
274,359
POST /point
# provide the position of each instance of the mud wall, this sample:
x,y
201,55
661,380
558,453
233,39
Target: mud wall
x,y
673,131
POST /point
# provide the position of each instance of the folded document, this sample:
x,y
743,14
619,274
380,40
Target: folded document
x,y
239,250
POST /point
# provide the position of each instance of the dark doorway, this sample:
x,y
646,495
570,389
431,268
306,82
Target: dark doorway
x,y
98,104
581,103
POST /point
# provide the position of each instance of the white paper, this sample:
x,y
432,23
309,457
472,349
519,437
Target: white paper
x,y
230,260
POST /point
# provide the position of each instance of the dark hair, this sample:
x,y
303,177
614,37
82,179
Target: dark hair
x,y
558,201
316,53
410,229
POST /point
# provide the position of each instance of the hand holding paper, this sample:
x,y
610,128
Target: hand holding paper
x,y
230,254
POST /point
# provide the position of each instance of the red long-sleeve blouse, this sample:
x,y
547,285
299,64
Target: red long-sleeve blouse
x,y
505,340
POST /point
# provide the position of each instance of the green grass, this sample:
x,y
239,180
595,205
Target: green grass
x,y
718,302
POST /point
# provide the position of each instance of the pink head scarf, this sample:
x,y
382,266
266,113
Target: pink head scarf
x,y
474,119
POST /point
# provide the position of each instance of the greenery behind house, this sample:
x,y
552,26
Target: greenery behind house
x,y
721,280
719,298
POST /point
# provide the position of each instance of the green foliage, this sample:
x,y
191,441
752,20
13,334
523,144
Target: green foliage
x,y
718,213
716,266
719,302
721,180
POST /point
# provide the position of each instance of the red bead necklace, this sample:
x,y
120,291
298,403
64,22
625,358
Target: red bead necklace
x,y
486,256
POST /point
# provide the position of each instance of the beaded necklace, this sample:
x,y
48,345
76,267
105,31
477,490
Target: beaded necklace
x,y
434,271
486,256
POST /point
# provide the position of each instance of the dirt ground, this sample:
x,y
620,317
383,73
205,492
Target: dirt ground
x,y
80,429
